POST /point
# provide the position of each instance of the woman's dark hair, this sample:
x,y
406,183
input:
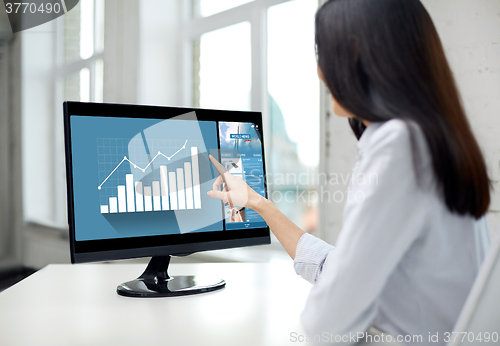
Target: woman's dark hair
x,y
383,59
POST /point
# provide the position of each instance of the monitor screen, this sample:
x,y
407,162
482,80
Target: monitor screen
x,y
138,178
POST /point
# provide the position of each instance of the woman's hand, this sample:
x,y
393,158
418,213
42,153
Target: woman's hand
x,y
235,190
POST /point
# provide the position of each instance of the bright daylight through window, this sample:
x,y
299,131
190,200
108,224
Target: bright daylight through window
x,y
225,76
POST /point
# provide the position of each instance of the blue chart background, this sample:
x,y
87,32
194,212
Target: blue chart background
x,y
98,146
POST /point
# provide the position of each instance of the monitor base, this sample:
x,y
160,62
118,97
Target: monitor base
x,y
155,282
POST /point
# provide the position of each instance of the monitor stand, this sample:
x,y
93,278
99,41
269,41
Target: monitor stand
x,y
155,282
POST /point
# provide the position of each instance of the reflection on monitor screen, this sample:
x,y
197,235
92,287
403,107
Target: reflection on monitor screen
x,y
138,179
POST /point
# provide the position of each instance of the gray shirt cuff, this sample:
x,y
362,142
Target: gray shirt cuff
x,y
310,257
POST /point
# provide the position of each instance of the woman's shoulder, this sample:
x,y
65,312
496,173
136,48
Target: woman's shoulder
x,y
399,137
394,131
397,141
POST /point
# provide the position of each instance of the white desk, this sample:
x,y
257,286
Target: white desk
x,y
78,305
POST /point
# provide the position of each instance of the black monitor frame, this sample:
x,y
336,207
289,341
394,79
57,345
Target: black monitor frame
x,y
164,245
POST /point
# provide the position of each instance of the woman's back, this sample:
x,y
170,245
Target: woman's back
x,y
403,261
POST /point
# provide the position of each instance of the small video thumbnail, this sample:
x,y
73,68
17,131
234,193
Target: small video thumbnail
x,y
232,164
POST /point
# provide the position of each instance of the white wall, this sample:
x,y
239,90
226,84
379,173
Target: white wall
x,y
10,153
470,32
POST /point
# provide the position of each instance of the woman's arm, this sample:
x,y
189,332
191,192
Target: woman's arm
x,y
283,228
387,211
237,192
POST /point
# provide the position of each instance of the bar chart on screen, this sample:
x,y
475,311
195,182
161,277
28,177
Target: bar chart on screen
x,y
137,176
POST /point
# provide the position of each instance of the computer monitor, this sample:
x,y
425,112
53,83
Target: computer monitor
x,y
138,178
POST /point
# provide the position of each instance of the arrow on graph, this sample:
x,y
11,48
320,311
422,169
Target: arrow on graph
x,y
142,169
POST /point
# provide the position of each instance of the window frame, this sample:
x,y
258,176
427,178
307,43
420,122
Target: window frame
x,y
61,71
254,12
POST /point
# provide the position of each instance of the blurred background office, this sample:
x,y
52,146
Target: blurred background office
x,y
223,54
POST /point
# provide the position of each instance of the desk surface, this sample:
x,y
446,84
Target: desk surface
x,y
78,305
73,305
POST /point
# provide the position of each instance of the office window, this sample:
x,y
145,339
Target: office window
x,y
223,68
62,61
80,78
259,55
293,110
82,45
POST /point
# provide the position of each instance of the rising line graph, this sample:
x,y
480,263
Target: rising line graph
x,y
125,158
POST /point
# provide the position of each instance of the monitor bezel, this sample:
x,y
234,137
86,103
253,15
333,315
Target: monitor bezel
x,y
103,250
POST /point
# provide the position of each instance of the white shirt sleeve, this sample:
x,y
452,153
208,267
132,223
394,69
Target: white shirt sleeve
x,y
310,256
378,230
